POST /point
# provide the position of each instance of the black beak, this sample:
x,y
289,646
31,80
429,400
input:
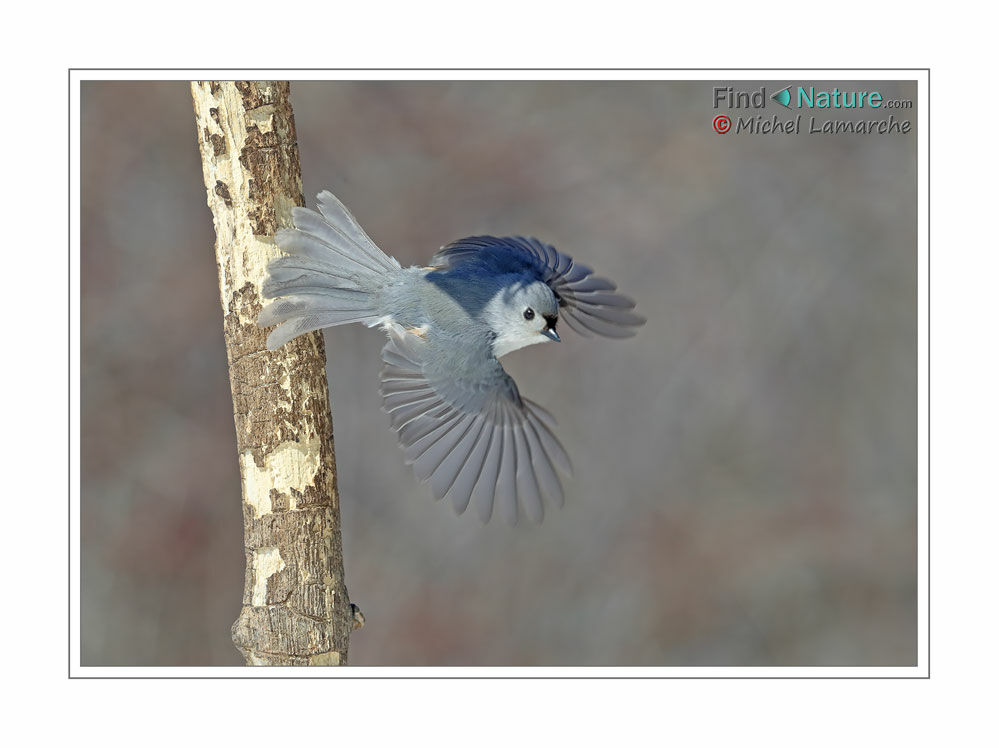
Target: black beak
x,y
549,331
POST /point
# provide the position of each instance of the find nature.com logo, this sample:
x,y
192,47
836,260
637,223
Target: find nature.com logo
x,y
862,101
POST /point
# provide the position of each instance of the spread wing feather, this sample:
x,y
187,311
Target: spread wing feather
x,y
470,436
588,303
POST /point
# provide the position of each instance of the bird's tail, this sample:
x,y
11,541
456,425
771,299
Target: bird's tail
x,y
332,276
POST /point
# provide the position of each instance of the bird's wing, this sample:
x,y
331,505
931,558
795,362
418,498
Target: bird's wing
x,y
588,303
470,434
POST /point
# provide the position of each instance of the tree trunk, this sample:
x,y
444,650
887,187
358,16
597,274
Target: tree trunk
x,y
295,606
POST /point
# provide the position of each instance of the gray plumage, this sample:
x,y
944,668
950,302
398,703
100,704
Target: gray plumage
x,y
459,417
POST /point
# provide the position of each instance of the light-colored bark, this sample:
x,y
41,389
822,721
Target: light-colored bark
x,y
295,605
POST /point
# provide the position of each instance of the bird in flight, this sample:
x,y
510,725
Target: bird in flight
x,y
460,418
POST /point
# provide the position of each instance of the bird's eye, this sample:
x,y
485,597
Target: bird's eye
x,y
528,313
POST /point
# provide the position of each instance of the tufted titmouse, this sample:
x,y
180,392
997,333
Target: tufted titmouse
x,y
460,418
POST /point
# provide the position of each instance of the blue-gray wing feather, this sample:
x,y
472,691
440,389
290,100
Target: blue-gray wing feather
x,y
472,435
588,303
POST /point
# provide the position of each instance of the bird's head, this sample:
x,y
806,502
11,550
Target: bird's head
x,y
522,314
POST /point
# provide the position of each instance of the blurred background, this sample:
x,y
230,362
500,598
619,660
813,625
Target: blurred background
x,y
745,468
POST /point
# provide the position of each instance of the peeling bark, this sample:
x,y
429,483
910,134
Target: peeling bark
x,y
295,605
